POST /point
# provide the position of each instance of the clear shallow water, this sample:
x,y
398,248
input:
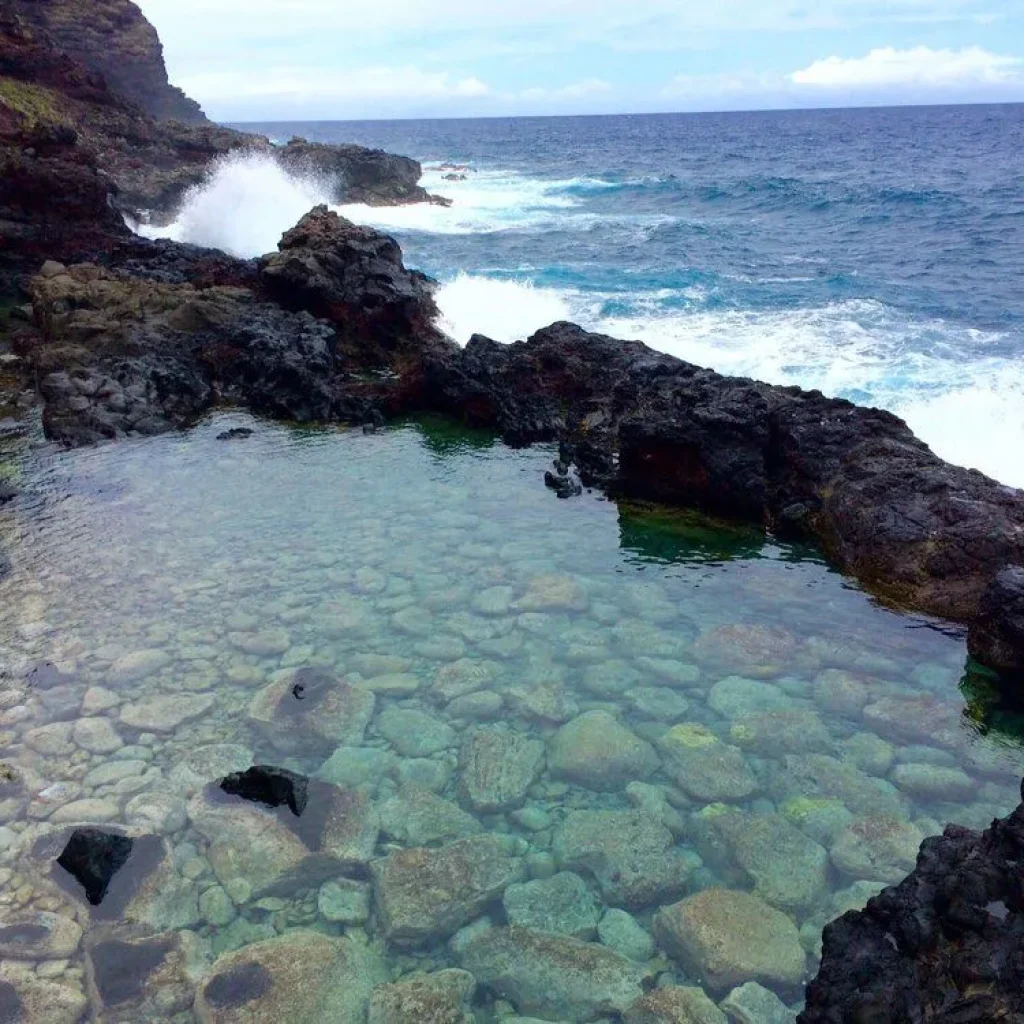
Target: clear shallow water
x,y
873,254
792,737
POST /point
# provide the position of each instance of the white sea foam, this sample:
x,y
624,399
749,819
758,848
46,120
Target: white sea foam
x,y
503,310
971,412
244,206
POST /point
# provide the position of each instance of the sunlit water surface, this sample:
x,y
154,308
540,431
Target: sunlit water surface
x,y
433,569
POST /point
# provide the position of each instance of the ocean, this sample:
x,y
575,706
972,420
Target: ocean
x,y
874,254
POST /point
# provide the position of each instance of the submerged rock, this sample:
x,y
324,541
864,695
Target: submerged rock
x,y
704,766
727,938
93,857
631,854
440,998
301,977
555,976
143,979
561,904
674,1004
423,895
597,751
497,767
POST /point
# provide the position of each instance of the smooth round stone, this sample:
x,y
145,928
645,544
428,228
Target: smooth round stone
x,y
659,703
541,865
38,936
821,818
369,581
727,938
415,621
610,679
754,650
597,751
355,767
241,622
879,849
735,697
157,812
841,692
344,901
870,753
533,818
562,903
477,707
415,733
114,771
424,772
89,810
755,1004
371,665
777,733
97,699
395,684
932,782
705,767
493,601
553,593
164,712
138,665
264,644
678,674
207,763
97,735
622,932
674,1004
216,907
441,648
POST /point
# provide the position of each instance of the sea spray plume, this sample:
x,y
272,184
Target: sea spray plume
x,y
244,206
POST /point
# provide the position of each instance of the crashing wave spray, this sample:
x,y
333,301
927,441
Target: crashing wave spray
x,y
243,207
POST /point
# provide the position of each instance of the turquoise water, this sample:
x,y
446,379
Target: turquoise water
x,y
729,712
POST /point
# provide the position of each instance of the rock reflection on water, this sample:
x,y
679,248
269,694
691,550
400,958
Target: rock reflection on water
x,y
566,760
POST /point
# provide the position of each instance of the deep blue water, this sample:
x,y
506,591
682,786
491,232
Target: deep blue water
x,y
877,254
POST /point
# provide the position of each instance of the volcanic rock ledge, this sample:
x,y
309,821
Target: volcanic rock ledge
x,y
942,946
916,530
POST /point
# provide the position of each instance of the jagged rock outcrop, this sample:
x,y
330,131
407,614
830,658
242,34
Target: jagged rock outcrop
x,y
356,174
113,39
997,633
945,945
353,276
917,530
331,327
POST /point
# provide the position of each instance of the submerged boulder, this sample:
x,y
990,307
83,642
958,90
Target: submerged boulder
x,y
423,895
555,976
301,977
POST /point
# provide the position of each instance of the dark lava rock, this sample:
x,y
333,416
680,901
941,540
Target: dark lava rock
x,y
235,434
353,277
914,528
7,492
945,945
996,636
93,857
356,174
272,787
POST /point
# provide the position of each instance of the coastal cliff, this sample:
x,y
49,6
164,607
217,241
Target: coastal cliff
x,y
113,39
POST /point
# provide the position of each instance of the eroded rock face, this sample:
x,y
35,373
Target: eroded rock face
x,y
942,945
114,39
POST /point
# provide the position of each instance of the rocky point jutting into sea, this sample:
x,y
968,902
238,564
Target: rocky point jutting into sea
x,y
297,726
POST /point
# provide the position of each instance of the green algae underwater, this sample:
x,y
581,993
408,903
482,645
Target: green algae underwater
x,y
664,749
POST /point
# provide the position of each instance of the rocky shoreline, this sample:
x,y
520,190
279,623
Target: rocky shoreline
x,y
120,336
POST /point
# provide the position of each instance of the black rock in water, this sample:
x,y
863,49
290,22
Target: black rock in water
x,y
997,633
93,858
235,434
7,493
272,787
945,945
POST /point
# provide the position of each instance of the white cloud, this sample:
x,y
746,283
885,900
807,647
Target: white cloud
x,y
311,85
589,87
920,66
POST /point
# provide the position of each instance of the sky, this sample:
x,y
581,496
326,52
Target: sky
x,y
346,59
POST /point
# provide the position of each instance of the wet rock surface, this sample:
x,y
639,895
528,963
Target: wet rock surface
x,y
943,945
